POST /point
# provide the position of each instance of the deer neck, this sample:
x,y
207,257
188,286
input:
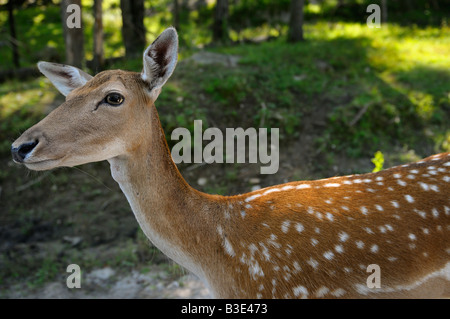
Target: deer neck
x,y
173,215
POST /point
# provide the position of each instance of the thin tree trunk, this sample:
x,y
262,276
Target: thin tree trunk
x,y
133,29
435,4
220,25
176,14
384,11
98,36
296,21
73,37
12,33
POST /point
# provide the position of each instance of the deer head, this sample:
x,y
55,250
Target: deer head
x,y
102,116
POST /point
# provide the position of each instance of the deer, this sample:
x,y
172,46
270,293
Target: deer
x,y
302,239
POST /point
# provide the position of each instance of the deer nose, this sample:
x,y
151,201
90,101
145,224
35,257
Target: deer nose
x,y
19,153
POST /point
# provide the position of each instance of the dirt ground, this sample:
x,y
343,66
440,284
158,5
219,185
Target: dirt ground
x,y
105,283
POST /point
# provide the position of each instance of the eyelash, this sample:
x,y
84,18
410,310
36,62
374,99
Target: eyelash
x,y
105,102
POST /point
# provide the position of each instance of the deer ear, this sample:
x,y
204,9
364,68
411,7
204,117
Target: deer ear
x,y
64,77
160,59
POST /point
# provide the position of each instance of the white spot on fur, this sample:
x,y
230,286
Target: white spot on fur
x,y
409,198
248,199
421,213
401,183
364,210
299,227
300,290
322,291
285,226
339,249
343,236
328,255
330,217
435,212
434,188
359,244
228,247
338,292
313,263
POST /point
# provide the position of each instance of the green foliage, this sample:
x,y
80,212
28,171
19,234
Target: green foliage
x,y
21,105
230,89
255,13
39,34
378,161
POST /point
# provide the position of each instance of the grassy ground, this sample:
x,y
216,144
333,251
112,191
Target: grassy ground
x,y
345,93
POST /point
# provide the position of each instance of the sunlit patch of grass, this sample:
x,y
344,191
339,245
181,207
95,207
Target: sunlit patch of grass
x,y
22,104
313,8
410,70
401,49
329,31
26,97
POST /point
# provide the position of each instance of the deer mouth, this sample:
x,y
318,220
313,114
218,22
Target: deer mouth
x,y
42,165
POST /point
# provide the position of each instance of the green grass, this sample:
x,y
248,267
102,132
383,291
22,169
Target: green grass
x,y
397,77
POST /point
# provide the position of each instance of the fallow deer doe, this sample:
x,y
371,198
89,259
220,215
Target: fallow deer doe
x,y
308,239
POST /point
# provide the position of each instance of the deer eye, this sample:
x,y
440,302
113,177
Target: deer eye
x,y
114,99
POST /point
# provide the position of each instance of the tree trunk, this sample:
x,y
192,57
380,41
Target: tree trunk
x,y
296,21
12,33
176,14
220,24
200,4
98,36
73,37
435,4
384,11
133,29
